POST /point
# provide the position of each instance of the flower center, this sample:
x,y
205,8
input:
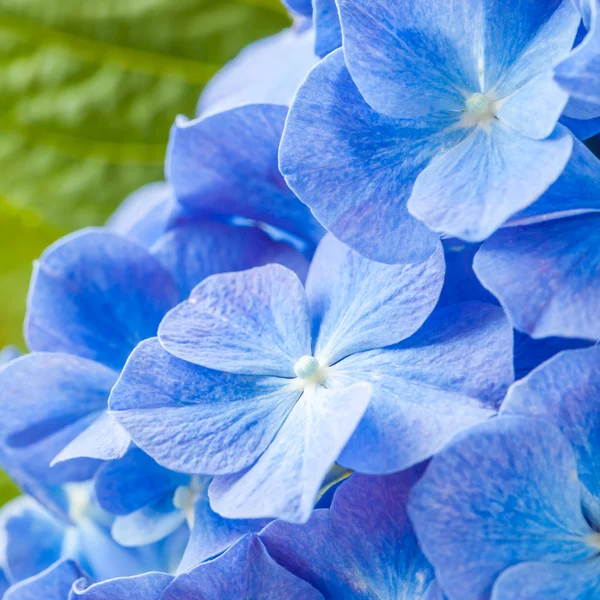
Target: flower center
x,y
307,367
479,105
186,496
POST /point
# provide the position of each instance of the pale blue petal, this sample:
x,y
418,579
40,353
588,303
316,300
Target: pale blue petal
x,y
213,534
358,304
148,586
508,483
564,391
255,322
363,548
96,295
546,276
226,164
9,353
471,190
244,571
268,71
328,30
48,400
537,581
355,168
452,374
193,251
52,584
196,420
285,481
144,215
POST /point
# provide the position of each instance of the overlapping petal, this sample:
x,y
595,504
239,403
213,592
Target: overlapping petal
x,y
328,30
52,584
148,586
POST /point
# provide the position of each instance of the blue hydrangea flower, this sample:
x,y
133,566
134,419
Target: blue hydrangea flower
x,y
238,389
546,271
362,548
512,508
436,112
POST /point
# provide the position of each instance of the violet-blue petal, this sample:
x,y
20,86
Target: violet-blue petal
x,y
244,571
362,548
285,481
328,30
564,391
52,584
212,534
48,400
148,586
355,168
472,189
546,276
534,581
197,420
509,483
268,71
193,251
136,480
300,7
449,376
226,164
255,322
583,129
358,304
96,295
144,215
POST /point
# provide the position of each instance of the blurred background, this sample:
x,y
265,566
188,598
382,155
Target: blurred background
x,y
88,92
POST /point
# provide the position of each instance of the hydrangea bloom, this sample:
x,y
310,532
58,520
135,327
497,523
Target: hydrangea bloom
x,y
511,509
239,390
436,114
363,547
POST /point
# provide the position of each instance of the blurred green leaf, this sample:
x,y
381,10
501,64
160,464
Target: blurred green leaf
x,y
89,92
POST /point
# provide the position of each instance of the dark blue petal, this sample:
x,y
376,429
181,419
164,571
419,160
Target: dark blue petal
x,y
196,420
362,548
583,129
509,483
564,391
452,374
226,164
52,584
244,571
96,295
546,276
355,168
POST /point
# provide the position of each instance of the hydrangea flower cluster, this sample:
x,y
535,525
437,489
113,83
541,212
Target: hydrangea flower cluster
x,y
348,349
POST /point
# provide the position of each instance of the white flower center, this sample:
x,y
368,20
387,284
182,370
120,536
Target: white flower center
x,y
479,105
307,367
186,496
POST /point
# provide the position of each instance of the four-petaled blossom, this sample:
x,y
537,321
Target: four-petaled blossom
x,y
239,388
431,119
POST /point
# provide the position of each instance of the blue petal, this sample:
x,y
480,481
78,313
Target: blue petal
x,y
136,480
149,586
144,215
564,391
362,548
212,534
579,74
49,399
533,581
268,71
450,375
508,483
285,481
226,164
9,353
196,420
410,59
255,322
104,439
33,539
52,584
353,300
471,190
96,295
546,277
300,7
193,251
244,571
355,168
328,30
583,129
